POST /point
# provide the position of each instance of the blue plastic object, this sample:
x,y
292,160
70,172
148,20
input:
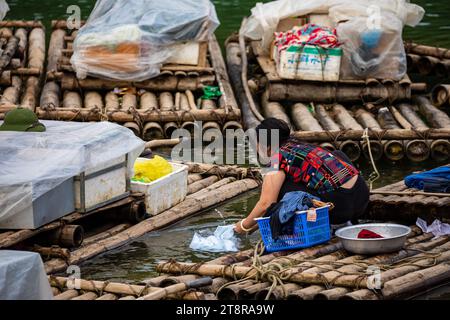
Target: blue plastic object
x,y
306,234
371,38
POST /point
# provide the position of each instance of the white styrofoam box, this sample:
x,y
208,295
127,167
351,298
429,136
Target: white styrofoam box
x,y
103,185
29,214
186,53
166,192
309,63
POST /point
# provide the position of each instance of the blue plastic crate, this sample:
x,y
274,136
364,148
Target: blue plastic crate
x,y
306,234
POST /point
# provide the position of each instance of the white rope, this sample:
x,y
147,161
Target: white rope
x,y
375,175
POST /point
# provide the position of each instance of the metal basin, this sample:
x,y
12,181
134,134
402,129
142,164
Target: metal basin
x,y
394,238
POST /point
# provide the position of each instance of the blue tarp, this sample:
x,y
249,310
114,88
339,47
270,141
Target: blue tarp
x,y
436,180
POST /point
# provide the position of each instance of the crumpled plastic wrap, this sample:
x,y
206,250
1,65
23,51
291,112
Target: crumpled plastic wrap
x,y
131,39
223,240
31,164
23,277
437,228
4,9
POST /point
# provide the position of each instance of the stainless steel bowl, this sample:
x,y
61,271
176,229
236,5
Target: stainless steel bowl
x,y
394,238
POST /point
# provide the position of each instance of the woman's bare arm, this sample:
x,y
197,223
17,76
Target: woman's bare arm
x,y
272,184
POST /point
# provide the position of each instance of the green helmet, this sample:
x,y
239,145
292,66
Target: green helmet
x,y
22,120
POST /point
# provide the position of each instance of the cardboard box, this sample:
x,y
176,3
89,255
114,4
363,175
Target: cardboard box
x,y
189,53
309,63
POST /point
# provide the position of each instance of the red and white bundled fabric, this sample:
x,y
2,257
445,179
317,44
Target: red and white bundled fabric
x,y
309,34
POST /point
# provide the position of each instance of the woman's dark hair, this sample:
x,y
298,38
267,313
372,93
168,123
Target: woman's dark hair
x,y
271,124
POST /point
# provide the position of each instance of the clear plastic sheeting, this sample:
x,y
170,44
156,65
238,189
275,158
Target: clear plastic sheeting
x,y
131,39
22,277
223,240
265,17
437,228
31,164
4,9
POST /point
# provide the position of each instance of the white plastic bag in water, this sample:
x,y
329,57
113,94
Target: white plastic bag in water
x,y
4,8
223,240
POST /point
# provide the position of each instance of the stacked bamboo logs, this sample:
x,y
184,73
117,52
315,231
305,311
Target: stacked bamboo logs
x,y
398,202
428,60
63,243
152,109
22,57
327,272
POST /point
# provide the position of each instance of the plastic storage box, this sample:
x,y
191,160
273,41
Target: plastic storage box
x,y
166,192
306,234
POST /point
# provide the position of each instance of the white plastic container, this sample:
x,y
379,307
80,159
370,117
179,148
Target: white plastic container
x,y
166,192
309,63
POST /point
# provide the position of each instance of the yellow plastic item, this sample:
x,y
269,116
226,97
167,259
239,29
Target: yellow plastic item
x,y
151,170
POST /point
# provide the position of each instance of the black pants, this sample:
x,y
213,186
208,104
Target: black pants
x,y
350,204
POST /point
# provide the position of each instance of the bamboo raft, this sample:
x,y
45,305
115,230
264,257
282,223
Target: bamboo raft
x,y
63,243
428,61
336,115
324,272
400,203
22,47
153,109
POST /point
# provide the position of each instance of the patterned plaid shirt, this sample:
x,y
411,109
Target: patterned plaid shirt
x,y
317,168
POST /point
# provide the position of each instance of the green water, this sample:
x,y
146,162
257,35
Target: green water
x,y
433,30
136,261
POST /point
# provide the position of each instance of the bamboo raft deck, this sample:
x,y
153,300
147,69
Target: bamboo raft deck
x,y
22,47
400,203
324,272
62,243
153,109
399,126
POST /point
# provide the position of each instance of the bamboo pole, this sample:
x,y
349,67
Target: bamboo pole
x,y
106,234
129,102
186,208
202,184
54,52
442,68
8,52
363,294
274,109
165,143
231,125
303,118
67,295
166,83
221,171
22,35
170,281
367,120
325,119
307,293
107,297
279,293
440,95
31,93
21,24
194,178
149,101
423,50
93,100
133,126
248,293
69,236
36,49
73,114
86,297
169,129
411,61
162,293
153,131
50,96
230,292
332,294
426,65
435,117
71,100
440,150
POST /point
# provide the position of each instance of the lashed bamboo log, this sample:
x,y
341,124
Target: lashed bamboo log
x,y
183,102
169,129
166,101
248,293
347,122
72,100
53,252
112,101
442,68
161,293
207,104
279,293
411,61
435,117
180,211
106,234
325,93
8,52
21,24
202,184
50,96
363,294
67,295
149,101
6,33
194,178
165,143
170,281
154,282
153,131
440,150
423,50
167,83
11,95
86,297
22,47
274,109
123,116
93,100
303,118
440,95
215,286
230,292
410,114
231,125
325,119
221,171
69,236
426,65
129,101
36,49
332,294
107,297
394,149
30,95
54,52
367,120
133,126
307,293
